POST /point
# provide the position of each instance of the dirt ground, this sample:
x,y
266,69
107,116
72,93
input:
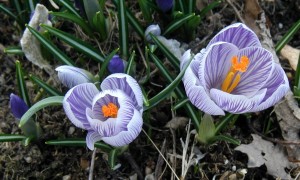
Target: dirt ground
x,y
40,161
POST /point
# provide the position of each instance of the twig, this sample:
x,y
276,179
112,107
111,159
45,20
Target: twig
x,y
92,164
237,13
160,161
133,164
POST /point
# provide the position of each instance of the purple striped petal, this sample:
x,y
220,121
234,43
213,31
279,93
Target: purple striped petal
x,y
71,76
277,86
76,101
17,106
259,70
91,138
197,94
237,34
123,138
127,84
236,104
216,64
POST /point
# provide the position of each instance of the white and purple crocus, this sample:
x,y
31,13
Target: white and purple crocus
x,y
113,114
234,74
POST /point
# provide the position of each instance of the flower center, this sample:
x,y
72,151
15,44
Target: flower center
x,y
110,110
234,74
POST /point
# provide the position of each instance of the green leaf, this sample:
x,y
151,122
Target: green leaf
x,y
209,7
106,62
50,101
147,15
227,139
69,7
11,137
99,22
181,93
91,7
206,129
297,79
123,30
225,120
177,23
165,92
191,6
51,47
287,37
78,142
73,18
112,158
21,83
181,103
76,43
14,50
50,90
173,60
130,68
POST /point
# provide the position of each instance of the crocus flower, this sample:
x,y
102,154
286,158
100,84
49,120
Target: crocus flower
x,y
116,65
164,5
71,76
234,73
113,115
154,29
17,106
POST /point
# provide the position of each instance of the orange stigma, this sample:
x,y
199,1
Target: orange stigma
x,y
234,75
110,110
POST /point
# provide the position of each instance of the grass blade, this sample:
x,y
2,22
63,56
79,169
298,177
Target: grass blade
x,y
14,50
177,23
50,101
70,7
51,47
75,43
21,83
11,137
105,63
123,30
131,63
50,90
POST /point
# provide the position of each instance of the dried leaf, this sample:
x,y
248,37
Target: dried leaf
x,y
291,54
262,152
177,122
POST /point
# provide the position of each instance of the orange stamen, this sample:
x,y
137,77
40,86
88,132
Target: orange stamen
x,y
233,77
110,110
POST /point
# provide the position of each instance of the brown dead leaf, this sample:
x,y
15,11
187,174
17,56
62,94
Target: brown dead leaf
x,y
251,14
177,122
291,54
262,152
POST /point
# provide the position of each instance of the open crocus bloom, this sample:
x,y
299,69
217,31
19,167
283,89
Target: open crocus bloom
x,y
113,115
234,73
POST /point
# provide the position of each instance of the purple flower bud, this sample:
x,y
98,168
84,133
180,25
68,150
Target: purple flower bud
x,y
116,65
164,5
17,105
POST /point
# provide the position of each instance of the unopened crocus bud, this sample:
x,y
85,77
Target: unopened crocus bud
x,y
71,76
164,5
17,106
116,65
153,29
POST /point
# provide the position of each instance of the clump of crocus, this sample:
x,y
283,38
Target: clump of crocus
x,y
71,76
18,108
164,5
113,114
116,65
234,73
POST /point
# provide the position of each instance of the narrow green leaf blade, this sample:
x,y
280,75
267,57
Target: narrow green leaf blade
x,y
227,139
178,23
78,142
123,30
50,101
51,47
21,84
209,7
106,62
50,90
13,50
76,43
131,63
11,137
112,158
69,7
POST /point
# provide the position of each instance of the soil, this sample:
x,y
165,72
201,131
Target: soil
x,y
40,161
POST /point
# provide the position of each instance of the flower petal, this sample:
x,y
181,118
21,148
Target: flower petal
x,y
236,104
17,106
164,5
91,138
215,64
237,34
76,101
259,70
71,76
125,137
197,94
127,84
277,86
116,65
